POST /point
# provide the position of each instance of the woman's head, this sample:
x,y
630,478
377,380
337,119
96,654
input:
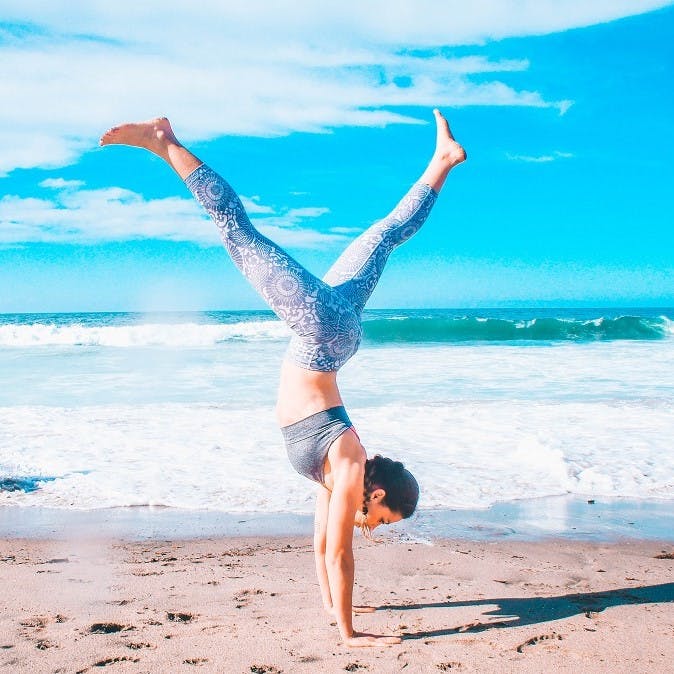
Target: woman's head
x,y
390,492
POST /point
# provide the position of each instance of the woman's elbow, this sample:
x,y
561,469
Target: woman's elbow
x,y
339,559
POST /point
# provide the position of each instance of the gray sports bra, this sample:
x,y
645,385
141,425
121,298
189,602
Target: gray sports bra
x,y
308,441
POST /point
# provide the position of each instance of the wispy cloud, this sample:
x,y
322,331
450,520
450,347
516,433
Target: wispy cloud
x,y
69,213
540,159
258,68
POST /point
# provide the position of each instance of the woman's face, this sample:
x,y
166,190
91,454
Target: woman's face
x,y
381,514
377,512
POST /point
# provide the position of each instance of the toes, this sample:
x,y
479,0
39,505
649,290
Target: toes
x,y
443,130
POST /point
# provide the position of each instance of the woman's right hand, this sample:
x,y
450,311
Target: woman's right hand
x,y
361,639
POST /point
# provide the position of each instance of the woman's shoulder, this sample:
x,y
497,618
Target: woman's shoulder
x,y
347,454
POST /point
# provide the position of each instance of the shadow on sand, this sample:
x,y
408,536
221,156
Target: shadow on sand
x,y
520,611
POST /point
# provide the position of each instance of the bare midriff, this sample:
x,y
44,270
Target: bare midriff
x,y
304,392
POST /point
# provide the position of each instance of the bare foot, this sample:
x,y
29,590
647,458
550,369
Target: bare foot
x,y
447,150
154,135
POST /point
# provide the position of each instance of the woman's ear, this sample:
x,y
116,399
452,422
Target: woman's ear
x,y
377,495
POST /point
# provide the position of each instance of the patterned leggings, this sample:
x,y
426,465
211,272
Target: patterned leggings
x,y
324,315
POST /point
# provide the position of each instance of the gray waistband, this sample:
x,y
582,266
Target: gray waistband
x,y
307,441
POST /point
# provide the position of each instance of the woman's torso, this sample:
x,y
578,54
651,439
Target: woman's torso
x,y
304,392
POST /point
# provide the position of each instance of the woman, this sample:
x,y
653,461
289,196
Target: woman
x,y
325,317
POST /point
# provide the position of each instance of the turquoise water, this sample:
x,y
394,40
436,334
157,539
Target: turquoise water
x,y
489,406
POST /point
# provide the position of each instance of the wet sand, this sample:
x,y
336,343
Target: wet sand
x,y
251,605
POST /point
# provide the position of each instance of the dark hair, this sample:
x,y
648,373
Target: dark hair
x,y
402,490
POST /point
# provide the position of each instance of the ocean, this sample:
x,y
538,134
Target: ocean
x,y
104,410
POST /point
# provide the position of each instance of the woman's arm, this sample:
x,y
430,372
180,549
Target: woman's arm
x,y
343,503
339,547
320,535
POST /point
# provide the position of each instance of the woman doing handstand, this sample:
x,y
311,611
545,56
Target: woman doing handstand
x,y
325,318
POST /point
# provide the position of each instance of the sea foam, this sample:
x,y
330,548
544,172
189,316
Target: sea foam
x,y
142,335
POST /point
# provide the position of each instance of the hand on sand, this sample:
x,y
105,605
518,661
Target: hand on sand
x,y
362,639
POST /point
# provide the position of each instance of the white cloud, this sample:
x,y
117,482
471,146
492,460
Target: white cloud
x,y
253,206
86,216
61,183
258,68
540,159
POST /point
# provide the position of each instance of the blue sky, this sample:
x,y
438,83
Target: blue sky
x,y
321,118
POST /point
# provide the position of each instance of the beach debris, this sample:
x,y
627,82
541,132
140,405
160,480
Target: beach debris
x,y
195,661
265,669
446,666
354,667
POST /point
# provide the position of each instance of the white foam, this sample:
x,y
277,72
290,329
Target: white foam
x,y
141,335
464,454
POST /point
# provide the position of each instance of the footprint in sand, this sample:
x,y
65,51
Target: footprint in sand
x,y
44,644
147,573
536,640
195,661
665,555
180,617
137,645
109,628
37,621
112,661
243,598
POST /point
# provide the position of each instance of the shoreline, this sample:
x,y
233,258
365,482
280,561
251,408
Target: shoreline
x,y
559,517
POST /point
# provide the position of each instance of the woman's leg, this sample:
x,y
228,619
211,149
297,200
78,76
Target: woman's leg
x,y
303,301
357,271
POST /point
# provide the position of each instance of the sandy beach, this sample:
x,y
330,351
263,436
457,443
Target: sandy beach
x,y
251,605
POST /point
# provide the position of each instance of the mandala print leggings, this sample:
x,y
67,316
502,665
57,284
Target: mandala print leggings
x,y
323,314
